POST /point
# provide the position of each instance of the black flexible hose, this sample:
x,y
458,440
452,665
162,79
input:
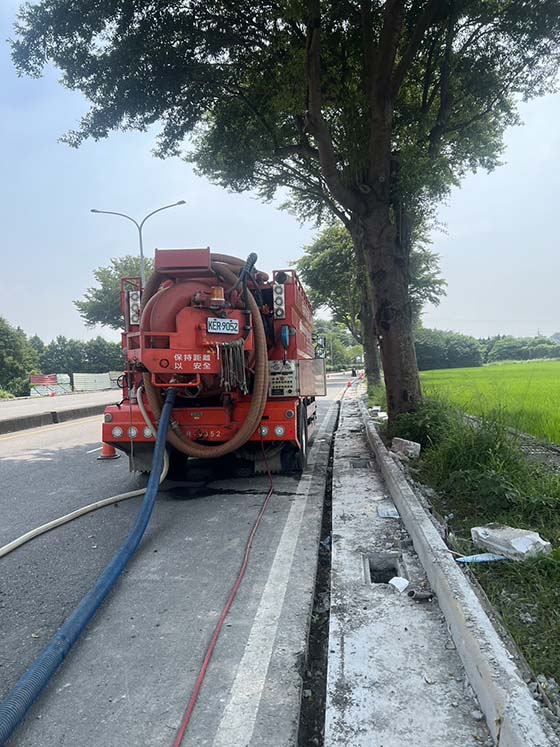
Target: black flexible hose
x,y
18,701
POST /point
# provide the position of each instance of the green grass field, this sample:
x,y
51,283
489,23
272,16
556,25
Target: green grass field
x,y
525,396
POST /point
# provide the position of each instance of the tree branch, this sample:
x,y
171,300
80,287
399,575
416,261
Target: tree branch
x,y
428,74
239,93
393,17
305,150
445,99
422,24
460,126
368,52
315,123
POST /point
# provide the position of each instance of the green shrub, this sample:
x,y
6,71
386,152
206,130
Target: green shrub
x,y
481,475
6,395
427,426
482,469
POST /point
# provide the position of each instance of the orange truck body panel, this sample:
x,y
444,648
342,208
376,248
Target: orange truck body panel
x,y
179,338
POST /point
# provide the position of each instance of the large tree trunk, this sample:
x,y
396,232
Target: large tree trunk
x,y
372,362
386,261
369,341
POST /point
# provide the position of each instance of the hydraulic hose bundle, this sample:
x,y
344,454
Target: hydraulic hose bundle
x,y
18,701
223,266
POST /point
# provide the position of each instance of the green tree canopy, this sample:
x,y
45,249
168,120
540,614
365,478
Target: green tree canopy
x,y
369,110
17,359
438,349
332,277
70,356
520,348
340,348
102,304
63,355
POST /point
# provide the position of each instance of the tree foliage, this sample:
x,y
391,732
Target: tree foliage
x,y
21,356
341,352
101,304
69,356
240,73
503,347
366,110
17,359
437,349
329,270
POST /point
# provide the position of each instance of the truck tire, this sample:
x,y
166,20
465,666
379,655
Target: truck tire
x,y
301,453
294,458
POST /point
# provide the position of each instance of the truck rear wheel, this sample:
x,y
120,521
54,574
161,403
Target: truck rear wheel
x,y
294,457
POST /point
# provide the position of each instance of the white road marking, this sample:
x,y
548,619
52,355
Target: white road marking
x,y
92,450
238,719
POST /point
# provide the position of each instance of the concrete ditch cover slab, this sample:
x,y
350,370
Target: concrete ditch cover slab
x,y
394,677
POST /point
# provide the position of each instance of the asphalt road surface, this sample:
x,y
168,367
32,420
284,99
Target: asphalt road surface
x,y
127,681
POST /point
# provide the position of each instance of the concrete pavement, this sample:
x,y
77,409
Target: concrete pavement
x,y
394,676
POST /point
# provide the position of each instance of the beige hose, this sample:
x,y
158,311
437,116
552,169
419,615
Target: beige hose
x,y
260,386
91,507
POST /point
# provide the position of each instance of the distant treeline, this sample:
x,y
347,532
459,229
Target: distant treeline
x,y
21,356
504,348
438,349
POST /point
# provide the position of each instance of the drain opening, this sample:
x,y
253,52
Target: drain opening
x,y
382,567
360,463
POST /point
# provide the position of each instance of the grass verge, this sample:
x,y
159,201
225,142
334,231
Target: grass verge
x,y
376,395
481,475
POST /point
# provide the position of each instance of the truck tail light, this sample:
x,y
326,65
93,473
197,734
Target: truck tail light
x,y
134,307
279,294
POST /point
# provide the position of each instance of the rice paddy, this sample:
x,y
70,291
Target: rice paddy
x,y
523,395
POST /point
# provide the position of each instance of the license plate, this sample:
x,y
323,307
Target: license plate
x,y
222,326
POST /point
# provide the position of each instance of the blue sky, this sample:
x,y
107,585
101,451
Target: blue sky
x,y
500,253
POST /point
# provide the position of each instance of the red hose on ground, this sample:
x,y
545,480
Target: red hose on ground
x,y
210,650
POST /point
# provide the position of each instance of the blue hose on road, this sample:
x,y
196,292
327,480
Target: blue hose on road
x,y
18,701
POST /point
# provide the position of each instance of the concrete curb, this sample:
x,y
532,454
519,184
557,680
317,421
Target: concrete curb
x,y
24,422
514,718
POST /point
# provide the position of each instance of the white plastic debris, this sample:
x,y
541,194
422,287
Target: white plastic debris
x,y
399,583
482,557
375,409
516,544
386,509
410,449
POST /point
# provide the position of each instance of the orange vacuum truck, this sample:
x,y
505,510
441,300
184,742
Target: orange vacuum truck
x,y
238,348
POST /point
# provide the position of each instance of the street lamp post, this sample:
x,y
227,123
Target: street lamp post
x,y
139,226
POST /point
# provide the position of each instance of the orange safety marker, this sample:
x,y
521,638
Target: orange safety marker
x,y
108,452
